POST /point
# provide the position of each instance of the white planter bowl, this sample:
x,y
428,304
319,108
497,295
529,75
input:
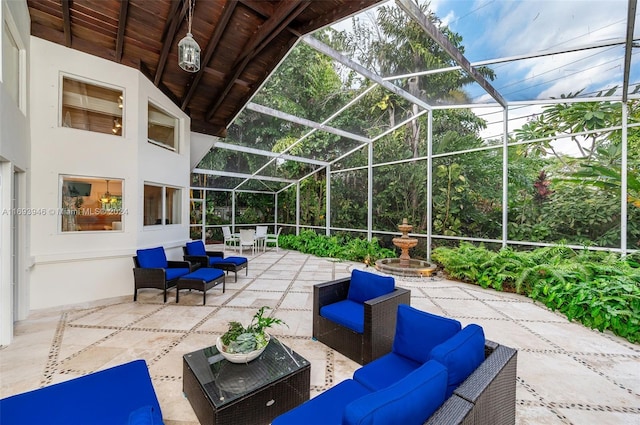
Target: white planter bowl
x,y
244,357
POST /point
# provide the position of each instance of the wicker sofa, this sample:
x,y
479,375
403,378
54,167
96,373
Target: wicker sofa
x,y
376,337
437,373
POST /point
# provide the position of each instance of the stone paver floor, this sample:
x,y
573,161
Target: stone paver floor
x,y
567,374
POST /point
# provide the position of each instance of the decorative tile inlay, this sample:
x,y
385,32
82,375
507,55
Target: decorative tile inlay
x,y
567,374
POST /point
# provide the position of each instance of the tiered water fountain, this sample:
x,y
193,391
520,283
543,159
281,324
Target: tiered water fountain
x,y
405,265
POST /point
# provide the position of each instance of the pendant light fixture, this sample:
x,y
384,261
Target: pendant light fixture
x,y
107,198
188,49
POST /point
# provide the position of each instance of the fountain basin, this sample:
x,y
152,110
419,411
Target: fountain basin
x,y
400,267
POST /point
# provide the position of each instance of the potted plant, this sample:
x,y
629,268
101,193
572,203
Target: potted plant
x,y
241,345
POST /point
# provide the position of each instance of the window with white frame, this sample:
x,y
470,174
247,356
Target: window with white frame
x,y
162,129
92,107
90,204
162,205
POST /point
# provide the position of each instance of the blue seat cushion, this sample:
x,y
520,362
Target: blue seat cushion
x,y
461,355
170,274
410,401
417,332
324,409
347,313
237,261
385,371
204,274
196,248
152,258
143,416
106,397
366,286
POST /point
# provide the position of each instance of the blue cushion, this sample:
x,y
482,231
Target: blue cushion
x,y
346,313
385,371
417,332
205,274
229,260
143,416
106,397
324,409
410,401
174,273
196,248
366,286
152,258
461,354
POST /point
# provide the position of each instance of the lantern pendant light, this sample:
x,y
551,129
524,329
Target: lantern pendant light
x,y
188,49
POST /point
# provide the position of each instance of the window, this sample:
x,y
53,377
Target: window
x,y
90,204
91,107
162,128
162,205
11,64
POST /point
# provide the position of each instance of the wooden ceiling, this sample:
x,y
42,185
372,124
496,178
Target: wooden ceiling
x,y
241,41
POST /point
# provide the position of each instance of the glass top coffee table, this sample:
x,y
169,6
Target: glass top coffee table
x,y
222,392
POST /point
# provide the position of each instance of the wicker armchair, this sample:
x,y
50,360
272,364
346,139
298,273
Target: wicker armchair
x,y
379,321
152,270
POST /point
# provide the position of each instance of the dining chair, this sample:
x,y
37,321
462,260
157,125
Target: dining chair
x,y
247,240
229,237
272,238
261,236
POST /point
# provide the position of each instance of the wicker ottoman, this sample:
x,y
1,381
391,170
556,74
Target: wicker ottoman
x,y
230,264
201,280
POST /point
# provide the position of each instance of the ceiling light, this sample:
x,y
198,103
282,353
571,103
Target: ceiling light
x,y
107,198
188,49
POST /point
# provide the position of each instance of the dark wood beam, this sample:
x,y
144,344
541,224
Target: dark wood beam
x,y
144,69
122,23
285,13
210,49
263,37
66,22
168,41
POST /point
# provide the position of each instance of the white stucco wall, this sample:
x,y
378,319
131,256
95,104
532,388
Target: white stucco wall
x,y
76,267
14,163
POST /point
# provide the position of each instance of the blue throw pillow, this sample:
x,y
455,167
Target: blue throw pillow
x,y
410,401
152,258
196,248
460,354
365,286
417,332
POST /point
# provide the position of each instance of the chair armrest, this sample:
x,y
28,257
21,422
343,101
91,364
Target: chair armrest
x,y
380,315
197,260
330,292
215,254
180,265
142,274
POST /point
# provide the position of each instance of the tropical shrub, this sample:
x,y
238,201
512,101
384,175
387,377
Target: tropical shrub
x,y
598,289
340,247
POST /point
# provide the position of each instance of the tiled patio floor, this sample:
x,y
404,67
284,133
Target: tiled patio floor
x,y
567,374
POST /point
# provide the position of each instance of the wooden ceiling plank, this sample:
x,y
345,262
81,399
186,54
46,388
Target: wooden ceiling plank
x,y
66,22
214,41
168,42
122,23
283,14
265,37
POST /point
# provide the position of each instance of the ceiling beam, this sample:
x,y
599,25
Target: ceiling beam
x,y
631,20
66,22
170,34
308,123
214,41
122,23
323,48
267,32
413,10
